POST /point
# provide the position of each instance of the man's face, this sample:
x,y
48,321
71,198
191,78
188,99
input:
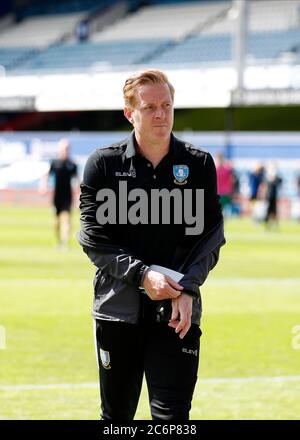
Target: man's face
x,y
64,150
152,116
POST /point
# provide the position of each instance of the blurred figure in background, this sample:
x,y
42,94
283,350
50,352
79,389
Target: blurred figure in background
x,y
257,202
63,170
82,31
225,182
295,203
236,200
256,177
271,194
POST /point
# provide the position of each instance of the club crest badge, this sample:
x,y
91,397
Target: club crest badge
x,y
180,173
105,359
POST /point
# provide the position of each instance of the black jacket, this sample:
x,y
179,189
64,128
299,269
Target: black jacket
x,y
122,252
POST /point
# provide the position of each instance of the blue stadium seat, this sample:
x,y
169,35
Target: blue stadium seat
x,y
83,56
12,57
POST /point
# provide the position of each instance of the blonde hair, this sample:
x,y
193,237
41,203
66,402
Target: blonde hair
x,y
141,78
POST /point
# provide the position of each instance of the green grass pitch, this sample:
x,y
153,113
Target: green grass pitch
x,y
249,366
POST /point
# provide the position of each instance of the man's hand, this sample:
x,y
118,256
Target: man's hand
x,y
43,186
159,286
42,191
181,314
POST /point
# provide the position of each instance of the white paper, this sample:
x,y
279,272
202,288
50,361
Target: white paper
x,y
176,276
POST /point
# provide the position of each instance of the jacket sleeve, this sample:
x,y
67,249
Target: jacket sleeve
x,y
205,254
198,272
97,243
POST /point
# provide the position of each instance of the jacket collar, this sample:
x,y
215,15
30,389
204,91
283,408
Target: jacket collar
x,y
177,147
130,149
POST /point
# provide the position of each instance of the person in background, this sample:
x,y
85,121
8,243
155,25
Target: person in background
x,y
82,31
235,201
256,177
297,203
271,193
256,201
63,169
225,182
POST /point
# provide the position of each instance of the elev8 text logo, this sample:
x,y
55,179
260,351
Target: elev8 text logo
x,y
154,210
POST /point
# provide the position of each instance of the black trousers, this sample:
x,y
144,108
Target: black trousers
x,y
126,351
62,204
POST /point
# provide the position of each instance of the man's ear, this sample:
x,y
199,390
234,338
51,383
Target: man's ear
x,y
128,114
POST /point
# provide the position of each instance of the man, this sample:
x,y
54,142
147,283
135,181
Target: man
x,y
63,170
225,181
145,321
256,178
271,188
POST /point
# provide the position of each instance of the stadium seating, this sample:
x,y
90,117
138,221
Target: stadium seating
x,y
11,57
210,48
39,32
196,50
164,34
80,56
280,15
61,7
172,21
267,45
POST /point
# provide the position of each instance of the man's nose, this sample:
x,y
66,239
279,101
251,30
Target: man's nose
x,y
159,112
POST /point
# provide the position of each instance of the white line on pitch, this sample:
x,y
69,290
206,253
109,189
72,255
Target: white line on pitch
x,y
213,380
256,281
